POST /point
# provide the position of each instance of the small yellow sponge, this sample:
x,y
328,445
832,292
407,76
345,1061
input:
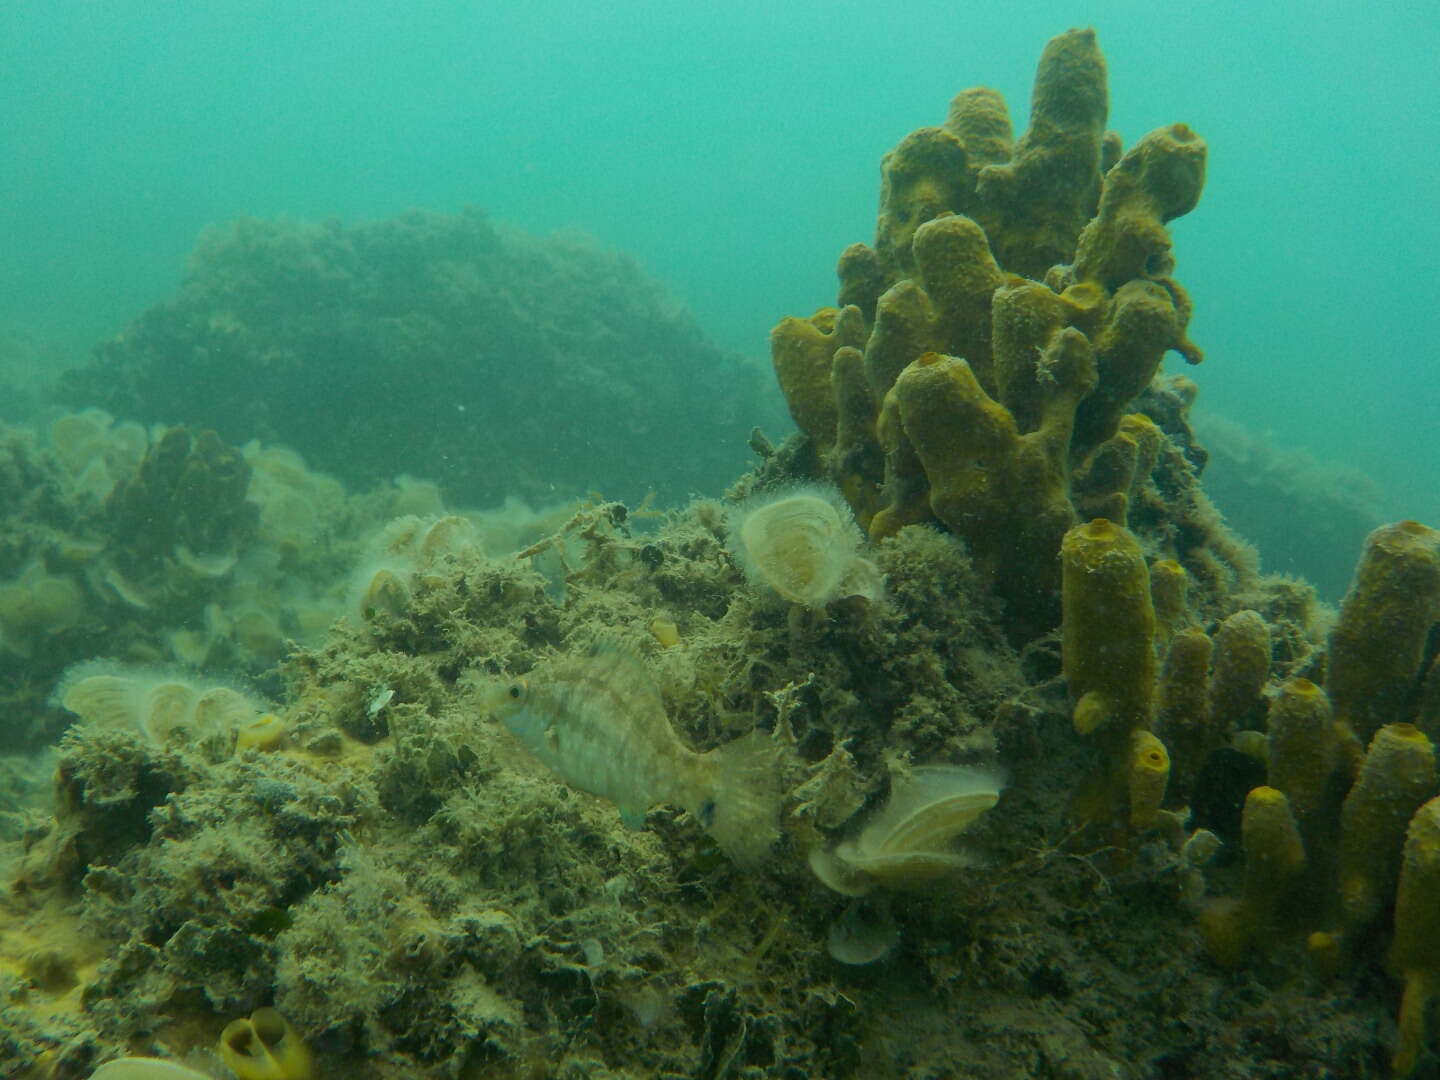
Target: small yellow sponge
x,y
265,1047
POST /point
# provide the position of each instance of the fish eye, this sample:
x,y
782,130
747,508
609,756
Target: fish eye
x,y
514,691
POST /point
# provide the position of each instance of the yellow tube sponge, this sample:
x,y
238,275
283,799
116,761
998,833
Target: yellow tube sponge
x,y
1159,178
907,489
960,276
1378,645
1117,469
1107,628
1005,493
1170,593
1274,854
1184,707
1396,777
856,464
802,350
1147,773
904,329
1415,952
926,175
1242,664
1035,205
265,1047
1142,322
1274,858
1304,749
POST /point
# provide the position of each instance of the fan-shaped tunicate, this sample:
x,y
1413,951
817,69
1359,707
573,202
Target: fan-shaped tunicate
x,y
909,842
162,705
802,543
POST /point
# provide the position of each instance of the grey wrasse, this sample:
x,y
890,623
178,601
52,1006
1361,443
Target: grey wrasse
x,y
596,718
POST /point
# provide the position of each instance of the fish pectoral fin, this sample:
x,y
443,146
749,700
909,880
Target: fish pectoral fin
x,y
633,817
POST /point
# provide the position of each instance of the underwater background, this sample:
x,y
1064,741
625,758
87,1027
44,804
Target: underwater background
x,y
731,147
358,360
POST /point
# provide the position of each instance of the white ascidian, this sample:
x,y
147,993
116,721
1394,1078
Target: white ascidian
x,y
803,543
597,720
909,841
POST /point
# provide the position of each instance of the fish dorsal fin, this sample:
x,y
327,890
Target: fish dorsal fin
x,y
609,653
618,663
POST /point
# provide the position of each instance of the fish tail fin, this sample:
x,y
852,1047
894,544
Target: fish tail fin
x,y
743,814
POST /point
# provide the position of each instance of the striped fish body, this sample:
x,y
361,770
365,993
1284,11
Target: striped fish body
x,y
597,720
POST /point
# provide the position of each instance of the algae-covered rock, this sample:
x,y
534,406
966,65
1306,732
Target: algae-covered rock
x,y
490,361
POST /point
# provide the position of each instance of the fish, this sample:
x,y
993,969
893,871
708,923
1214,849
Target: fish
x,y
597,720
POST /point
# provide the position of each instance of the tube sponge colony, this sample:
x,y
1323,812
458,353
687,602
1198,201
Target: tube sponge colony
x,y
1351,827
1017,300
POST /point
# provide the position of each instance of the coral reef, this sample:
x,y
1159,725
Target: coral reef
x,y
335,340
